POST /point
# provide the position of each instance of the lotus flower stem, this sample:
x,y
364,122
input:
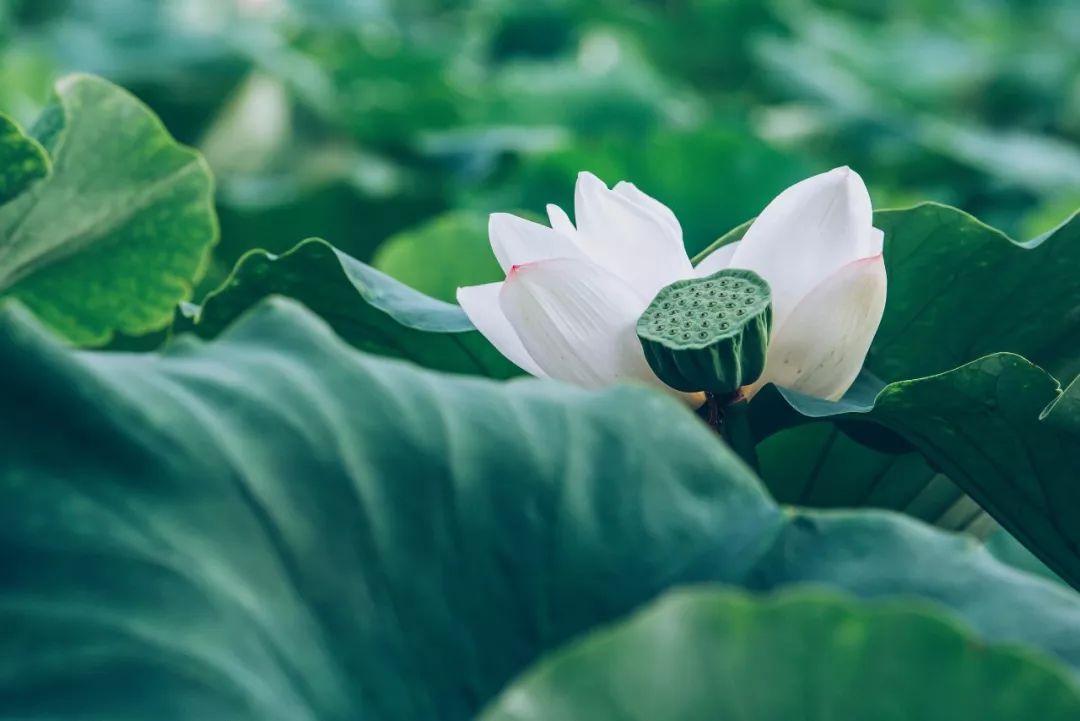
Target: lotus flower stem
x,y
729,416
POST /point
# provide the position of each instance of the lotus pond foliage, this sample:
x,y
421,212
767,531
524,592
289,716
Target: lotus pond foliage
x,y
318,405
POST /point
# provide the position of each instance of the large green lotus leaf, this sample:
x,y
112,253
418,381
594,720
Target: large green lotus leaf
x,y
368,308
22,160
713,654
116,235
276,526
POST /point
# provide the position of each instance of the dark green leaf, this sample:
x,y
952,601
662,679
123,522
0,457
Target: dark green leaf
x,y
820,465
958,290
999,429
369,309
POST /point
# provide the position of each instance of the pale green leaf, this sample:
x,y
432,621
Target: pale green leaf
x,y
118,233
713,654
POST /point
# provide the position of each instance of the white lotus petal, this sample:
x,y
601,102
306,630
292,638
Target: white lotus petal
x,y
481,304
875,243
632,193
632,241
716,260
806,233
560,221
517,241
820,348
577,321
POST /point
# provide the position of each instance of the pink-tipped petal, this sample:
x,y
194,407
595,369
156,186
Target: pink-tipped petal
x,y
577,321
820,347
481,304
806,233
516,241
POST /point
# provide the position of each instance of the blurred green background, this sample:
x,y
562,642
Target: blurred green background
x,y
392,127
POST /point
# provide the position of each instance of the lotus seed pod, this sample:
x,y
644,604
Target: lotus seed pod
x,y
708,334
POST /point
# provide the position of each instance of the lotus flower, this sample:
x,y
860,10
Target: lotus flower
x,y
573,294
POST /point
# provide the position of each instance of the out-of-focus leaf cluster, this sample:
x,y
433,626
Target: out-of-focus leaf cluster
x,y
353,120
